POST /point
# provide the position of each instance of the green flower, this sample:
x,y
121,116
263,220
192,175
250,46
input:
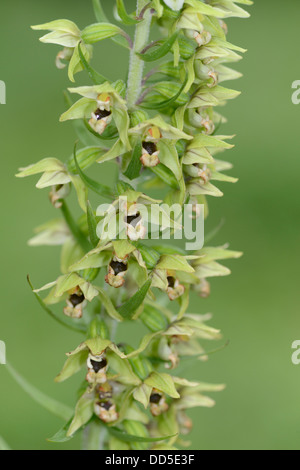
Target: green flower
x,y
100,104
65,33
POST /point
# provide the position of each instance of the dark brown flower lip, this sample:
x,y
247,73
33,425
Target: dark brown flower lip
x,y
133,219
76,299
150,147
155,398
171,281
118,267
101,114
106,405
98,365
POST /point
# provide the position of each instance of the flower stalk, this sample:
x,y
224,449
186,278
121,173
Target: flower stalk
x,y
164,138
136,65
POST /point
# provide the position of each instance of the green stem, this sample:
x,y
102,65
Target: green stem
x,y
136,64
75,230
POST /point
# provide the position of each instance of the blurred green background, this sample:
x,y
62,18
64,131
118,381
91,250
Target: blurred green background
x,y
257,308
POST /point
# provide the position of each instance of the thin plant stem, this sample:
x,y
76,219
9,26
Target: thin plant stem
x,y
136,66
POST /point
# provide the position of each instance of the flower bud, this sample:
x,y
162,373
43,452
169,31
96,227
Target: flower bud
x,y
198,171
201,119
202,38
206,73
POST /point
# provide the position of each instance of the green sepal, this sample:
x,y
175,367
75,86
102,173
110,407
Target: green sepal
x,y
162,382
99,31
64,322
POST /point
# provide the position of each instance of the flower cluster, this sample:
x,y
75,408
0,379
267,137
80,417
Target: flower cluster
x,y
160,130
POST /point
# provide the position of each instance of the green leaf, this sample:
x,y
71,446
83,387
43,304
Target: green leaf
x,y
98,188
51,405
160,51
135,164
129,308
83,412
3,444
92,225
96,77
127,19
74,228
72,326
61,435
166,103
123,436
